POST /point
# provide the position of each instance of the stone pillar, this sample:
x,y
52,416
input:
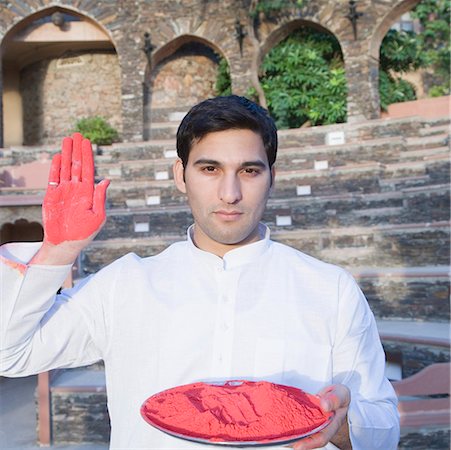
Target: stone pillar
x,y
362,73
132,62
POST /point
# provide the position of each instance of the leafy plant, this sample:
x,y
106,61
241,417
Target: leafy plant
x,y
270,7
304,80
97,130
223,81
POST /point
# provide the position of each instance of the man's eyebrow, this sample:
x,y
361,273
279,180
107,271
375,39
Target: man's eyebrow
x,y
204,161
212,162
257,163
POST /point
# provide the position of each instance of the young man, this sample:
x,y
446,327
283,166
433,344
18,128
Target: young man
x,y
227,303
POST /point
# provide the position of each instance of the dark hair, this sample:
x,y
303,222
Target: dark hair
x,y
225,113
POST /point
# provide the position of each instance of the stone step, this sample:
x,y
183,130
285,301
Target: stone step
x,y
163,130
313,212
351,247
405,291
296,164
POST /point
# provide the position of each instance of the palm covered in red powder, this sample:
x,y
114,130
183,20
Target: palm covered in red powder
x,y
74,207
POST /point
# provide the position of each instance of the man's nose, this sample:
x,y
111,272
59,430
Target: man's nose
x,y
230,189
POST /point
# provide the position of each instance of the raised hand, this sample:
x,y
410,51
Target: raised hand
x,y
74,207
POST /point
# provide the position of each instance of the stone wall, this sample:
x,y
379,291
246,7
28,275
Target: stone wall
x,y
185,78
214,23
58,92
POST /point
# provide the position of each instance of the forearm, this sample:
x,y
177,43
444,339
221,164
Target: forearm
x,y
341,439
58,255
27,293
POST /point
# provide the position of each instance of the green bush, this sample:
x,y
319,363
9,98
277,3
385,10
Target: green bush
x,y
223,82
97,130
304,80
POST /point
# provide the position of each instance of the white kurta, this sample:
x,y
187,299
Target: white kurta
x,y
264,311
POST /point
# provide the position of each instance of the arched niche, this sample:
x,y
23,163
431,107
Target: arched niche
x,y
182,73
301,90
58,66
387,21
21,230
281,33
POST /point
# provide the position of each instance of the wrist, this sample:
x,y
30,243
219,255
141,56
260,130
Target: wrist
x,y
57,255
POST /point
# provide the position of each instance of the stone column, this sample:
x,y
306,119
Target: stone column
x,y
362,74
132,61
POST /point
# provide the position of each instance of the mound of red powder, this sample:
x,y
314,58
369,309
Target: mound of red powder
x,y
235,411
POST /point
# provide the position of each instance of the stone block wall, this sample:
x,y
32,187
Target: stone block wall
x,y
58,92
212,24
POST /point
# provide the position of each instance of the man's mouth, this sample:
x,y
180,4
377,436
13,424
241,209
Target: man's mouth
x,y
228,215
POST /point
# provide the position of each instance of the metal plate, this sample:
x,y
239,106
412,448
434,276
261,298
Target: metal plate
x,y
231,443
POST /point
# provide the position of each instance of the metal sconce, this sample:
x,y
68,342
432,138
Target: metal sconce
x,y
353,16
148,47
240,34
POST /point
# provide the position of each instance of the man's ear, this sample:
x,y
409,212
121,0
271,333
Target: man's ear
x,y
179,175
273,176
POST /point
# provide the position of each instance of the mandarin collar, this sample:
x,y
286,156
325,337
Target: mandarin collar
x,y
237,257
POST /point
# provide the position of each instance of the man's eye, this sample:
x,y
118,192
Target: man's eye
x,y
209,168
251,171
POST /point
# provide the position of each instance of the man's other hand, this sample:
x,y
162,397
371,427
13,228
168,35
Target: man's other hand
x,y
333,398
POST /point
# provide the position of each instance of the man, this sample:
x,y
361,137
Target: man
x,y
227,303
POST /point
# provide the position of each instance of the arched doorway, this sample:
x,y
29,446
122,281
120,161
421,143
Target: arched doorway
x,y
303,76
21,231
58,66
183,73
414,57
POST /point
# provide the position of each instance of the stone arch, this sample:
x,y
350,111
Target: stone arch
x,y
46,64
386,22
282,32
21,230
182,73
375,42
294,117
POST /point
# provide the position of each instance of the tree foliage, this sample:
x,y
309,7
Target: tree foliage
x,y
304,80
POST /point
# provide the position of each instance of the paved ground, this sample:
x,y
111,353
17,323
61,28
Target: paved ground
x,y
18,417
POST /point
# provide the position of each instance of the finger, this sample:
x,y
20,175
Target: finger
x,y
54,174
99,198
334,397
77,139
87,162
317,440
66,159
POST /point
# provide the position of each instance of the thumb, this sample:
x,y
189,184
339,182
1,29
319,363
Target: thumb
x,y
98,201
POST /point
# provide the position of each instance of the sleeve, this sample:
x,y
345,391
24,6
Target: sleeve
x,y
359,363
40,330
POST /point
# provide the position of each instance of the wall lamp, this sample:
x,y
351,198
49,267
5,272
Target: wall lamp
x,y
148,47
353,16
240,34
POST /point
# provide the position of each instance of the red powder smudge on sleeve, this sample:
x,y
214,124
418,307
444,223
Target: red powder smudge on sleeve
x,y
15,265
249,411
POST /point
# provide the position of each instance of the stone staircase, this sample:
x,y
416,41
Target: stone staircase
x,y
372,197
367,195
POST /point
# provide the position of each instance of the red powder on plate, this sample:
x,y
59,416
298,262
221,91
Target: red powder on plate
x,y
235,411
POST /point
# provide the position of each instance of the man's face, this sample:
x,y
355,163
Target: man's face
x,y
227,181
